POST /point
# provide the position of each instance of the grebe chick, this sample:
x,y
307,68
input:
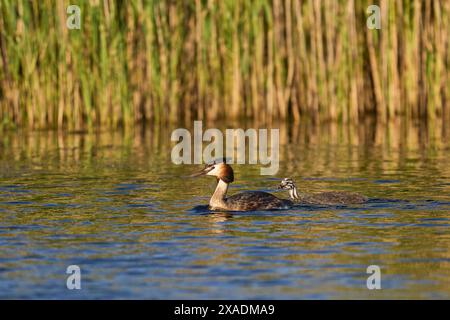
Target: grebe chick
x,y
329,198
245,201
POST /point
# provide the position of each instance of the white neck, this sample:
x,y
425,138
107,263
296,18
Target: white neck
x,y
218,198
293,194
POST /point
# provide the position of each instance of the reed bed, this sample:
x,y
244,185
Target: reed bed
x,y
168,61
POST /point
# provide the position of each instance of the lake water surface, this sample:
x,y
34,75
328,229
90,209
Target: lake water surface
x,y
114,204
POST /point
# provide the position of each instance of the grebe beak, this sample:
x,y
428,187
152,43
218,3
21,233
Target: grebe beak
x,y
202,172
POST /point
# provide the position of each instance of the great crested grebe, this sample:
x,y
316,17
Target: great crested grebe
x,y
329,198
245,201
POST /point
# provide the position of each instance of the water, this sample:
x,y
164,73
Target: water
x,y
113,204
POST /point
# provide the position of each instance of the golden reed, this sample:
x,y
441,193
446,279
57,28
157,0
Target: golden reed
x,y
165,61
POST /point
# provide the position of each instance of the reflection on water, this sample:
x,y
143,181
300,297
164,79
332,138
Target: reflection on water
x,y
114,204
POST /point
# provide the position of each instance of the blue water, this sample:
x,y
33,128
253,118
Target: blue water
x,y
115,206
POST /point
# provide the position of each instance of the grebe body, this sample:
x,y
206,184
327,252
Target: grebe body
x,y
327,198
245,201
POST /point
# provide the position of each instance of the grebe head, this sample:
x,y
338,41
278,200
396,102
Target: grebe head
x,y
221,171
288,184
